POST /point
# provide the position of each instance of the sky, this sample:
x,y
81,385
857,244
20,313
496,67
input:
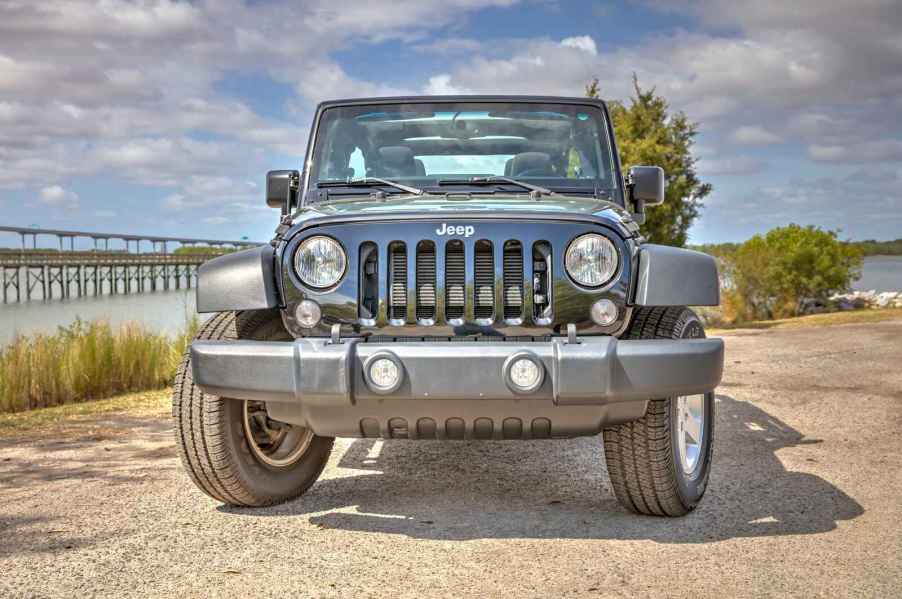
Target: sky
x,y
163,116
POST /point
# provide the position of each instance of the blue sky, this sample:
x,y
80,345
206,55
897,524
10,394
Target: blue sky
x,y
162,117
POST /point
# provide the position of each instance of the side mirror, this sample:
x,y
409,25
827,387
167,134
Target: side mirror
x,y
282,189
647,184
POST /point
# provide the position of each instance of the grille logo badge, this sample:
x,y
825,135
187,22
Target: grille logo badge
x,y
446,229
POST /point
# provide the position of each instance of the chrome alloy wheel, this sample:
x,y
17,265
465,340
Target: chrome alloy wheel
x,y
274,444
691,430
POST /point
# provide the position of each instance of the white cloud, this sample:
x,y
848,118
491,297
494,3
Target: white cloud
x,y
452,45
739,165
827,153
777,62
326,80
873,151
582,42
134,82
754,136
822,201
440,85
55,195
174,201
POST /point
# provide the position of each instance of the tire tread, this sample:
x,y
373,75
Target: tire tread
x,y
201,422
638,453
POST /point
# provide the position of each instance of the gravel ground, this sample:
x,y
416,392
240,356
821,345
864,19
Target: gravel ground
x,y
805,499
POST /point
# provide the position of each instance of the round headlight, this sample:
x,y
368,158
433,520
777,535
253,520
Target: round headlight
x,y
591,260
320,262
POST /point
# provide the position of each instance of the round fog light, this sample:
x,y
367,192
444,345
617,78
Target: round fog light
x,y
523,373
604,312
308,314
383,373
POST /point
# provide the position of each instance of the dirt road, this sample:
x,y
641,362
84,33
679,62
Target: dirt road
x,y
805,499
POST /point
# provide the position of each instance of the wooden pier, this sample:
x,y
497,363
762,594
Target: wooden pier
x,y
28,276
34,273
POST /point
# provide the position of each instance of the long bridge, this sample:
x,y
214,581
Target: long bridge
x,y
39,273
157,242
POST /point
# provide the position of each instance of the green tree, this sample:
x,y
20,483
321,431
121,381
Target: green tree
x,y
649,134
770,275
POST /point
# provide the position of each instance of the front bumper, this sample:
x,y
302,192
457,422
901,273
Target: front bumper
x,y
457,390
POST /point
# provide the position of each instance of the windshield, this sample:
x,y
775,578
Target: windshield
x,y
441,146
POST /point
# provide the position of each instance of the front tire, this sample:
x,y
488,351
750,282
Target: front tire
x,y
659,465
231,449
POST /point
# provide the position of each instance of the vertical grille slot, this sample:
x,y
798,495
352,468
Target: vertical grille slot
x,y
397,281
513,279
455,280
541,281
425,280
369,281
484,280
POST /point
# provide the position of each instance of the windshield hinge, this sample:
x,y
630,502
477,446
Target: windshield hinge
x,y
284,225
316,195
600,193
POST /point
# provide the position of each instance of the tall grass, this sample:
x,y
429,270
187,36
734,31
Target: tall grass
x,y
87,360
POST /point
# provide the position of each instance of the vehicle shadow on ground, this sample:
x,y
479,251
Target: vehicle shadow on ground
x,y
560,489
101,448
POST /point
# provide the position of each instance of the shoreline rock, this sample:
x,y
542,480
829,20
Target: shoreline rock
x,y
871,299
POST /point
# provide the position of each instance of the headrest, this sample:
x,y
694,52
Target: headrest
x,y
396,156
536,163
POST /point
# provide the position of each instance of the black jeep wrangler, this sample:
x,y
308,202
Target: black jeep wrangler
x,y
454,268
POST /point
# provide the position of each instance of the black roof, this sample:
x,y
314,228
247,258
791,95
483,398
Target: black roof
x,y
462,98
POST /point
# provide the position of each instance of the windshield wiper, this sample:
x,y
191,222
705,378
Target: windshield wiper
x,y
371,182
535,189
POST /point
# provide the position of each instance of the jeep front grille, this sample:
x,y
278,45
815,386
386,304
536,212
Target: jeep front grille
x,y
397,276
425,281
484,281
454,281
513,280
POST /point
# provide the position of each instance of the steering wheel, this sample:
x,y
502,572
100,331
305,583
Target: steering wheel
x,y
533,172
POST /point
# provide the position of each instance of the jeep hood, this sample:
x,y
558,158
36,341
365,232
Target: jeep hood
x,y
442,205
464,206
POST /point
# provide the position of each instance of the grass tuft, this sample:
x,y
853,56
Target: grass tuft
x,y
87,360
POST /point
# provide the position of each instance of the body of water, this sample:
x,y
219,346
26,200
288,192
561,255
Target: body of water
x,y
163,311
170,311
880,273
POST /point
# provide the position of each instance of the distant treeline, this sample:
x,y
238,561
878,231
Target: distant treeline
x,y
880,248
868,247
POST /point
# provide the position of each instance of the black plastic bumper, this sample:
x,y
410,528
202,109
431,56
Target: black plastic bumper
x,y
457,390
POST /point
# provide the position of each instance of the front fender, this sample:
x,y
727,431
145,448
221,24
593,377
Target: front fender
x,y
670,276
243,280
